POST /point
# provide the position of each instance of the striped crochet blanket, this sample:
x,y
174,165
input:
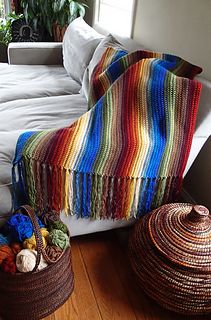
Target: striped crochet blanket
x,y
127,154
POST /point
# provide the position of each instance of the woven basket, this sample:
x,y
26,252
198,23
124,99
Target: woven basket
x,y
58,32
34,295
170,252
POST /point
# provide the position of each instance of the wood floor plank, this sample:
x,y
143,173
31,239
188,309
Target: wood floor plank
x,y
142,306
83,290
82,304
109,292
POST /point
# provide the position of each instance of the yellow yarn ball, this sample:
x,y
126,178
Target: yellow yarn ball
x,y
31,242
44,232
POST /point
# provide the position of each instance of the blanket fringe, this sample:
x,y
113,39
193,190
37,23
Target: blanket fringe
x,y
91,195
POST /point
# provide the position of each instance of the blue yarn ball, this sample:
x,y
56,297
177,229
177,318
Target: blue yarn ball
x,y
19,227
4,240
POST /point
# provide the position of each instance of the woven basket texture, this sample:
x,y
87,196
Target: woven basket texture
x,y
170,252
34,295
58,32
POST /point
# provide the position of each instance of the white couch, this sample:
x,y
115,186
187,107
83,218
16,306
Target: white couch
x,y
37,92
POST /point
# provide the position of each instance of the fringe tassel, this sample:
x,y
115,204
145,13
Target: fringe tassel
x,y
90,195
19,187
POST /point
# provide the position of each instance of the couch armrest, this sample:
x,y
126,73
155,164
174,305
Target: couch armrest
x,y
35,53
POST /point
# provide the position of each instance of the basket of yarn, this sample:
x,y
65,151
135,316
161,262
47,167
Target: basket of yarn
x,y
36,275
170,252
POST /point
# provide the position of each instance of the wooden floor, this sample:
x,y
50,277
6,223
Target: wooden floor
x,y
105,287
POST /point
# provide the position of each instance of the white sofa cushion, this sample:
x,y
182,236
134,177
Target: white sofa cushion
x,y
79,44
108,41
32,81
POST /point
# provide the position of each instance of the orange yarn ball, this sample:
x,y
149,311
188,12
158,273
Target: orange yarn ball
x,y
5,252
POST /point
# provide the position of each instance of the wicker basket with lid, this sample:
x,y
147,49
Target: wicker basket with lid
x,y
170,252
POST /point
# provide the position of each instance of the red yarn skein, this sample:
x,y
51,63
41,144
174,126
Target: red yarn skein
x,y
8,265
5,252
16,247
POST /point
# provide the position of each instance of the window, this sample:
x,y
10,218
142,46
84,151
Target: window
x,y
115,16
4,8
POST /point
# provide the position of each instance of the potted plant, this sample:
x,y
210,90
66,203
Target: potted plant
x,y
6,33
53,15
65,11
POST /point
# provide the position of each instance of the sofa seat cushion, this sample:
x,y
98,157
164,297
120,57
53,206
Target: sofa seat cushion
x,y
30,81
41,113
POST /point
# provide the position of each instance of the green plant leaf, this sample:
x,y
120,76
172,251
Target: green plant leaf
x,y
6,27
25,12
73,17
61,18
73,8
81,10
56,6
85,5
49,26
62,4
35,22
32,5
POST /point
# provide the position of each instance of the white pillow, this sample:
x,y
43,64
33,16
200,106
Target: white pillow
x,y
108,41
79,43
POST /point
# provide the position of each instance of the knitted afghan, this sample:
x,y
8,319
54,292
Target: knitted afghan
x,y
127,154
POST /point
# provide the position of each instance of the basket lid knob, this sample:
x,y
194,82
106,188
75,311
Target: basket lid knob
x,y
198,214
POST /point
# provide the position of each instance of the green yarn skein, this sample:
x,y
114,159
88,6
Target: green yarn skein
x,y
59,225
59,239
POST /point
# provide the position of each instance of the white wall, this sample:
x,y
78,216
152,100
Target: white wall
x,y
181,27
198,180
